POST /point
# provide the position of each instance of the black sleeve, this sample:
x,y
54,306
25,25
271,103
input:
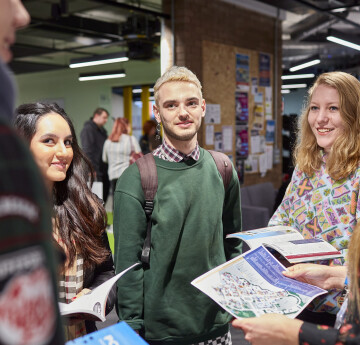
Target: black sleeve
x,y
102,273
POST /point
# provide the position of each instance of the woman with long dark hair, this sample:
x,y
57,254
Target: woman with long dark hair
x,y
79,218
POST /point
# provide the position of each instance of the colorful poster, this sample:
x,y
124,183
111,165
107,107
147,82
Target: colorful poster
x,y
218,146
258,120
270,131
242,70
241,142
242,109
264,69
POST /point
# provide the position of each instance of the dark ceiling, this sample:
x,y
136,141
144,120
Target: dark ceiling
x,y
61,30
307,25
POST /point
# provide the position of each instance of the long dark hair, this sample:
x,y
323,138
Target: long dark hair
x,y
79,215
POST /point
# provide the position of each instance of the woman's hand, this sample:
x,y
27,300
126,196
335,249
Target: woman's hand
x,y
74,320
81,293
270,329
325,277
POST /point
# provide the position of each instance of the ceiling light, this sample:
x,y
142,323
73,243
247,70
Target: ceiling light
x,y
293,86
140,90
285,91
298,76
343,42
102,75
304,65
98,60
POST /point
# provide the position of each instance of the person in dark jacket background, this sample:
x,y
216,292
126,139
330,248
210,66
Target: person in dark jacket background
x,y
93,136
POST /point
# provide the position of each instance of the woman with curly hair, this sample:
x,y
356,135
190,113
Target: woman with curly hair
x,y
322,199
79,218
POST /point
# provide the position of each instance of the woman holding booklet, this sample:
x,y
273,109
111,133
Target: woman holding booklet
x,y
79,218
322,199
277,329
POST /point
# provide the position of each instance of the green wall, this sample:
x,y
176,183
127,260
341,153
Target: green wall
x,y
81,98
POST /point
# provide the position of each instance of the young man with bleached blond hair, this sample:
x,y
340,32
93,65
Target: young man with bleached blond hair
x,y
192,215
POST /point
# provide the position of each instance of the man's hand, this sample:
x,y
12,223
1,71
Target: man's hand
x,y
325,277
270,329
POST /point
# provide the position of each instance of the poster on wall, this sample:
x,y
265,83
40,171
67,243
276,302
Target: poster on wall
x,y
270,131
264,69
241,108
258,119
268,103
209,135
252,164
213,114
241,142
227,138
218,141
242,70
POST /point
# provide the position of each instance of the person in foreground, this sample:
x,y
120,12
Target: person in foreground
x,y
280,330
322,199
192,215
79,218
29,313
117,149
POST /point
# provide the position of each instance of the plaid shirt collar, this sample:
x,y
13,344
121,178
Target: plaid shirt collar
x,y
168,153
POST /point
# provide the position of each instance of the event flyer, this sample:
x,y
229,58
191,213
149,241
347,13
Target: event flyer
x,y
253,284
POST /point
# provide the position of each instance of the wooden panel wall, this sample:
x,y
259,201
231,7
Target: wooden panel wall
x,y
219,85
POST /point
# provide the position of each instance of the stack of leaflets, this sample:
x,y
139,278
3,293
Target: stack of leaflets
x,y
288,242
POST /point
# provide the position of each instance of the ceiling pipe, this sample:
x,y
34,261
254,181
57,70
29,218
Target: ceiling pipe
x,y
330,14
132,8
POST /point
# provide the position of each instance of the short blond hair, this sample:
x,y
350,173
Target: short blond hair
x,y
176,73
345,152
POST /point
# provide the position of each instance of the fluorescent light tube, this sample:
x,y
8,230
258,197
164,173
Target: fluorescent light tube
x,y
293,86
304,65
343,42
285,91
102,75
99,62
298,76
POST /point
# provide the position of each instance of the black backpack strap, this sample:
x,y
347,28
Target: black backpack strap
x,y
223,164
149,183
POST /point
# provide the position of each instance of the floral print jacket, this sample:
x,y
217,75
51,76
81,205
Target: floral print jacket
x,y
321,207
348,334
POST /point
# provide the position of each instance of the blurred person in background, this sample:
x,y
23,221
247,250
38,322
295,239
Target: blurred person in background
x,y
118,148
93,136
150,140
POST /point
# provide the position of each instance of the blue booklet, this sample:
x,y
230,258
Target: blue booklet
x,y
118,334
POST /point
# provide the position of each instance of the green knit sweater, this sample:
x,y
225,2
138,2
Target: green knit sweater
x,y
191,217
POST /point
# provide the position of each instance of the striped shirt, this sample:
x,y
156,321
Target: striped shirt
x,y
169,153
